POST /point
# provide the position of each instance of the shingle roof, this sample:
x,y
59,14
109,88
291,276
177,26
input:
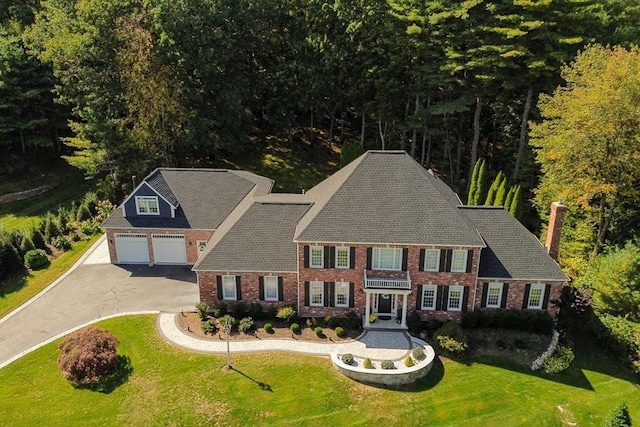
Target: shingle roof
x,y
205,197
512,252
260,240
386,197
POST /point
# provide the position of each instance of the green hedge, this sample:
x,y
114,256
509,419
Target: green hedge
x,y
620,335
539,322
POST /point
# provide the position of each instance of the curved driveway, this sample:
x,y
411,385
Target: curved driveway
x,y
92,290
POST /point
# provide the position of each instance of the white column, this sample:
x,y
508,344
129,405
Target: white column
x,y
366,310
404,310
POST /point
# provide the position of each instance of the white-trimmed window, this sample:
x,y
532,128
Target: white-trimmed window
x,y
459,261
316,293
455,298
342,294
229,288
342,256
536,296
429,297
431,259
270,288
494,295
147,205
317,256
386,259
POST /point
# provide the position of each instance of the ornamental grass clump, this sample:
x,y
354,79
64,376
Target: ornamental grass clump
x,y
418,354
347,359
209,326
408,362
366,363
246,324
388,364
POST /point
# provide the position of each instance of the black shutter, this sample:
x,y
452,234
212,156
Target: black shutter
x,y
332,257
332,293
485,290
352,256
280,289
422,255
445,298
327,257
439,293
306,293
443,260
351,294
465,298
261,288
449,256
469,260
219,285
369,257
419,297
306,256
327,293
547,293
238,290
525,300
405,259
505,291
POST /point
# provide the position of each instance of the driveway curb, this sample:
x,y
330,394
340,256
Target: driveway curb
x,y
58,280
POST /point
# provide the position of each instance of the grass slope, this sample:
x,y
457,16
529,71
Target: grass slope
x,y
170,386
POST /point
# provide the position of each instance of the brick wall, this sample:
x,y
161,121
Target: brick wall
x,y
516,294
191,238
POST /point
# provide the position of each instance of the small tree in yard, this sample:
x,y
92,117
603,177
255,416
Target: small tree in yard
x,y
286,312
619,416
88,356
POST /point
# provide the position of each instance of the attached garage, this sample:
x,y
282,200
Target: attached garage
x,y
169,249
132,248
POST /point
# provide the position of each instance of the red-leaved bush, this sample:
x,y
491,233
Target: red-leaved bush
x,y
88,356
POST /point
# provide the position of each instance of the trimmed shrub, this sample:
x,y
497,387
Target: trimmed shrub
x,y
286,312
209,326
347,359
88,356
63,220
339,332
61,243
26,245
239,310
83,213
38,239
451,339
51,229
220,310
295,328
408,362
414,323
418,354
228,321
366,363
319,332
352,320
560,360
255,310
36,259
619,416
268,328
387,364
202,309
245,324
539,322
10,260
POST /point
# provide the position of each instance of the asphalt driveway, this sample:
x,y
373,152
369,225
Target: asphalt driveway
x,y
93,290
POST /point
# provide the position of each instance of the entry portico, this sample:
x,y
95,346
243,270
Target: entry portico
x,y
382,294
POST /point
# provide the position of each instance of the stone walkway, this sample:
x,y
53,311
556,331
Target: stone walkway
x,y
374,344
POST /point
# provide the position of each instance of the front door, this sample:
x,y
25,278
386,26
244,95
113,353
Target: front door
x,y
384,303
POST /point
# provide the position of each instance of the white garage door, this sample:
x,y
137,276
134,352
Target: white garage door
x,y
169,249
132,248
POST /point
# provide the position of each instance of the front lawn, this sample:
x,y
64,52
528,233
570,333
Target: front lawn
x,y
170,386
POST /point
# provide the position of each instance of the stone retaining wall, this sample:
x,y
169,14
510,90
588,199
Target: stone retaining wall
x,y
26,194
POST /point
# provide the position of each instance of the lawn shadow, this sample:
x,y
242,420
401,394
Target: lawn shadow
x,y
13,284
429,381
174,272
113,381
263,386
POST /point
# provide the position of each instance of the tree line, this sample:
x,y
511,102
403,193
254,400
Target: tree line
x,y
138,84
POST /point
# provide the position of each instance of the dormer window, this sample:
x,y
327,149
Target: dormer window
x,y
147,205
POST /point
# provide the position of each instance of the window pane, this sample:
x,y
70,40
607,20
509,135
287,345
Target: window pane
x,y
459,261
342,294
316,289
342,257
428,297
271,288
387,258
455,298
229,287
316,256
431,259
535,296
493,295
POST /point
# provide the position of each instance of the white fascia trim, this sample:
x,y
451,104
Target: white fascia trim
x,y
425,245
152,189
239,272
511,279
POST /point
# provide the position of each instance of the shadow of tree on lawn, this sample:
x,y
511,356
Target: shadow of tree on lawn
x,y
263,386
113,381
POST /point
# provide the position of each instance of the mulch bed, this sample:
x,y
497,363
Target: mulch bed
x,y
520,347
190,323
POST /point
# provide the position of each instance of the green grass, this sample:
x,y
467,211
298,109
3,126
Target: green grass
x,y
19,290
170,386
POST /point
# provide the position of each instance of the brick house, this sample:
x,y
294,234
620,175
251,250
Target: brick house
x,y
382,235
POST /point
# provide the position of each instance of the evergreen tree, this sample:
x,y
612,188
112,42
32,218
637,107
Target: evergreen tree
x,y
502,193
507,203
493,190
481,193
515,208
473,186
619,416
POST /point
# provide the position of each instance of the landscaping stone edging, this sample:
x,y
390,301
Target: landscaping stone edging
x,y
26,194
390,377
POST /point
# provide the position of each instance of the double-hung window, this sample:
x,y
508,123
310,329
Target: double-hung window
x,y
429,297
229,287
317,256
342,257
431,259
147,205
459,261
494,295
455,298
271,288
387,259
316,293
342,294
536,295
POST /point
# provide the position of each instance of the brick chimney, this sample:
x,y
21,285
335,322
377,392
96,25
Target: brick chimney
x,y
554,232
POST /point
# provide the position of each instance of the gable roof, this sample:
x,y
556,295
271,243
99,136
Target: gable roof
x,y
203,197
512,252
386,197
261,239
